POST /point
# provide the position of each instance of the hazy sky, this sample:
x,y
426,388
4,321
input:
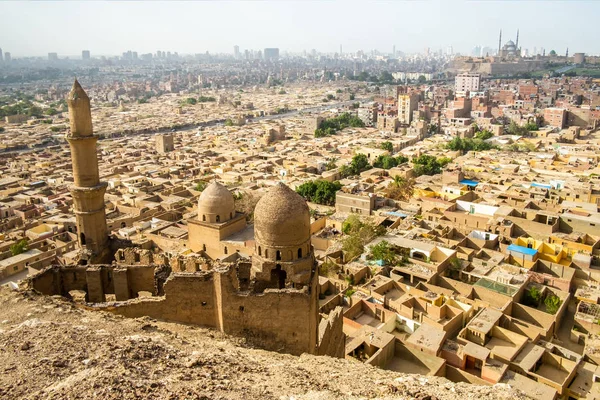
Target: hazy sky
x,y
111,27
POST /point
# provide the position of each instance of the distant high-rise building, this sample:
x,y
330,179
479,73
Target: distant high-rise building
x,y
271,54
134,55
246,54
407,103
1,57
236,52
7,57
85,54
466,82
394,51
52,56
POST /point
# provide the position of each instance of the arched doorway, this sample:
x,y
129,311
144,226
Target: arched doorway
x,y
278,277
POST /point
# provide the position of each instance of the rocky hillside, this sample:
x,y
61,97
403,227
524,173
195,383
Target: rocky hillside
x,y
49,349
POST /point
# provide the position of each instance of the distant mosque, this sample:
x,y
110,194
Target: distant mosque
x,y
510,49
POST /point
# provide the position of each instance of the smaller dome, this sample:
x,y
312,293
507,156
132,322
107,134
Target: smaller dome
x,y
216,204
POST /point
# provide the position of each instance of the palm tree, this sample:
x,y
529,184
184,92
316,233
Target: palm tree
x,y
399,181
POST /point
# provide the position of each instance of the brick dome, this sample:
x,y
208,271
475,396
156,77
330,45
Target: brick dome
x,y
281,218
216,204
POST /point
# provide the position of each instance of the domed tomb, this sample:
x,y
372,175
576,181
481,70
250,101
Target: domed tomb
x,y
283,253
281,218
216,204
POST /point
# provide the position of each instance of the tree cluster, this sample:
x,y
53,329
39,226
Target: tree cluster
x,y
468,144
387,145
206,99
19,247
429,165
400,189
331,125
359,163
319,191
386,162
358,233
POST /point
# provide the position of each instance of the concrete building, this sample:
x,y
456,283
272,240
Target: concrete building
x,y
87,190
52,56
556,117
85,54
466,82
407,103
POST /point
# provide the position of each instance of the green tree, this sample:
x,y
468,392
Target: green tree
x,y
532,297
387,145
319,191
51,111
331,164
484,134
422,79
19,247
400,189
429,165
531,126
383,251
190,100
359,163
352,246
552,303
200,186
228,122
205,99
1,129
352,97
515,129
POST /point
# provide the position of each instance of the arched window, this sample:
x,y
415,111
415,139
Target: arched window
x,y
225,250
82,238
259,252
123,224
218,218
203,247
204,218
299,253
278,255
230,215
266,253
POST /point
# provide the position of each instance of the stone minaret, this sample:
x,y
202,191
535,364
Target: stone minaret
x,y
87,190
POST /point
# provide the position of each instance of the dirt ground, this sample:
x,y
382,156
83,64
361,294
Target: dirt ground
x,y
50,349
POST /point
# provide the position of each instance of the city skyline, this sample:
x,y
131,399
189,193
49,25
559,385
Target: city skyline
x,y
292,26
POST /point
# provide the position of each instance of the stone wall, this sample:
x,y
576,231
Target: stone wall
x,y
283,320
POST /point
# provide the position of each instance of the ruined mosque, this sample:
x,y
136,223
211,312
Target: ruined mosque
x,y
270,297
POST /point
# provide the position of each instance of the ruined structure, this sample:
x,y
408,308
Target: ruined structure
x,y
87,190
273,301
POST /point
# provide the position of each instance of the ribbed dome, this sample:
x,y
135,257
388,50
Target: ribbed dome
x,y
281,218
216,200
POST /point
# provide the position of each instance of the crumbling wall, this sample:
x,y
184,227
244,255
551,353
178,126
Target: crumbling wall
x,y
190,264
332,340
281,320
96,280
